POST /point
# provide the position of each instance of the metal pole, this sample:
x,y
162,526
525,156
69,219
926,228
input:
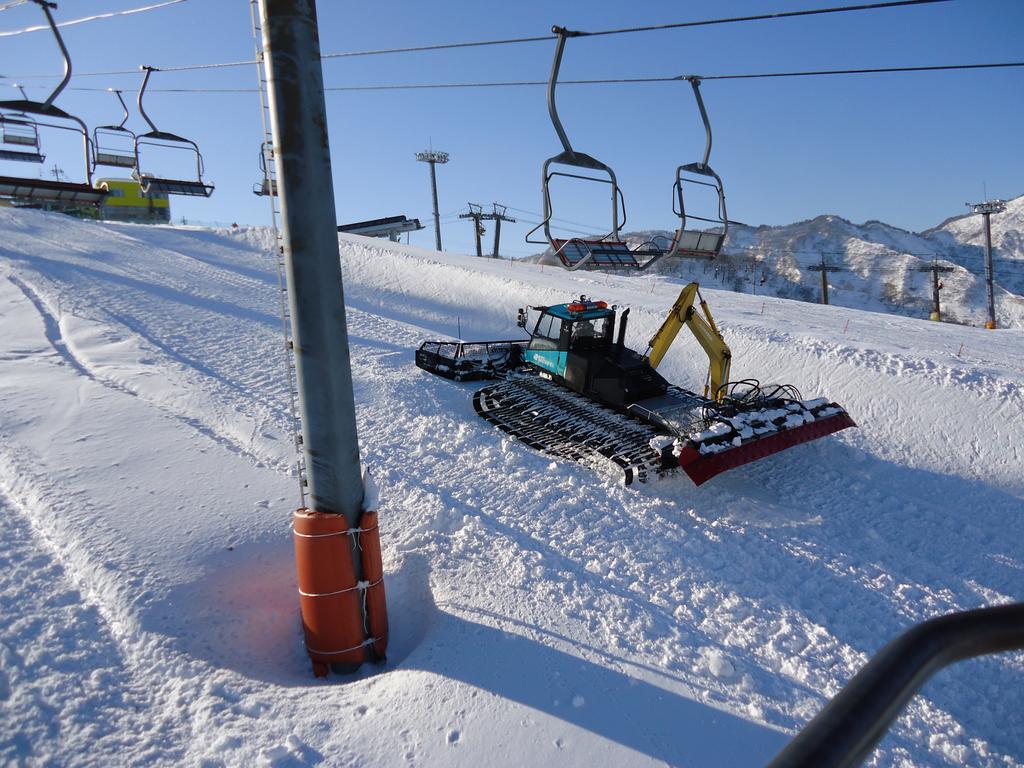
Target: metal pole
x,y
988,272
476,231
313,267
936,311
497,235
437,215
824,284
986,209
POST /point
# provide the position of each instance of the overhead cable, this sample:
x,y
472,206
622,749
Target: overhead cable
x,y
761,17
871,71
609,81
97,17
540,38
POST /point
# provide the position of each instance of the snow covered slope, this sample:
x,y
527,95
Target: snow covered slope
x,y
881,264
541,614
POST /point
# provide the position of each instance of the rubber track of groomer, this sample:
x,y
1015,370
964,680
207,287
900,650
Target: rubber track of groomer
x,y
560,423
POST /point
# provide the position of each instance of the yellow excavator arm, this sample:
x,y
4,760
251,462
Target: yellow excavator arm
x,y
702,326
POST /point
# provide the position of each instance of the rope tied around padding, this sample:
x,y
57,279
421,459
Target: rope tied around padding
x,y
362,585
366,642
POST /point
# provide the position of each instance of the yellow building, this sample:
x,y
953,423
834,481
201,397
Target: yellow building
x,y
125,202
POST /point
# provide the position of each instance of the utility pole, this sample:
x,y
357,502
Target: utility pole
x,y
476,214
824,269
332,563
986,209
935,269
497,217
434,157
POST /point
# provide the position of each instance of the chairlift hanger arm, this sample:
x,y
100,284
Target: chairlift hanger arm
x,y
562,34
119,126
695,84
142,90
46,6
156,133
46,107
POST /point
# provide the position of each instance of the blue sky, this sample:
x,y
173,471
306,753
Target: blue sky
x,y
908,149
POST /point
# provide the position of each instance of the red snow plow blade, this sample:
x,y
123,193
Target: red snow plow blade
x,y
701,467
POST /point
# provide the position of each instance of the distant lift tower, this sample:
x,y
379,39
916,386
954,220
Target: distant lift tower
x,y
434,157
935,269
986,209
476,214
497,216
825,269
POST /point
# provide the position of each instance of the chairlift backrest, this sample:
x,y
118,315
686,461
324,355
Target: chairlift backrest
x,y
152,182
20,130
21,111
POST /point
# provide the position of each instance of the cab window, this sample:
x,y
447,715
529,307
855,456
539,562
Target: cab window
x,y
547,332
594,330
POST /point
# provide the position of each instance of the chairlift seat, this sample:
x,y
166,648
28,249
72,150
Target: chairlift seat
x,y
603,254
50,190
19,155
150,184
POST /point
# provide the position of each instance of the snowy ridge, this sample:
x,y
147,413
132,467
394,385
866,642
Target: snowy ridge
x,y
881,264
541,614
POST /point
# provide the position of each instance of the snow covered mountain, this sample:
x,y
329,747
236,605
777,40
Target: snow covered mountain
x,y
881,264
541,614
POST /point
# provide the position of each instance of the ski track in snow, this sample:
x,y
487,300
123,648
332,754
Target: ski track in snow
x,y
745,603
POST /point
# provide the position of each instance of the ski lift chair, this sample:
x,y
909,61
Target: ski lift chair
x,y
266,186
20,130
18,121
153,183
693,242
114,145
609,251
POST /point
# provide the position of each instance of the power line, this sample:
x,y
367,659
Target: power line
x,y
540,38
873,71
97,17
600,81
761,17
553,218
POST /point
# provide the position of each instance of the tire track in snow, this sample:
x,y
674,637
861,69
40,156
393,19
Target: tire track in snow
x,y
52,328
56,339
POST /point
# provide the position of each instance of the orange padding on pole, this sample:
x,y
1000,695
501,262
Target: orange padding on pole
x,y
373,573
330,602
